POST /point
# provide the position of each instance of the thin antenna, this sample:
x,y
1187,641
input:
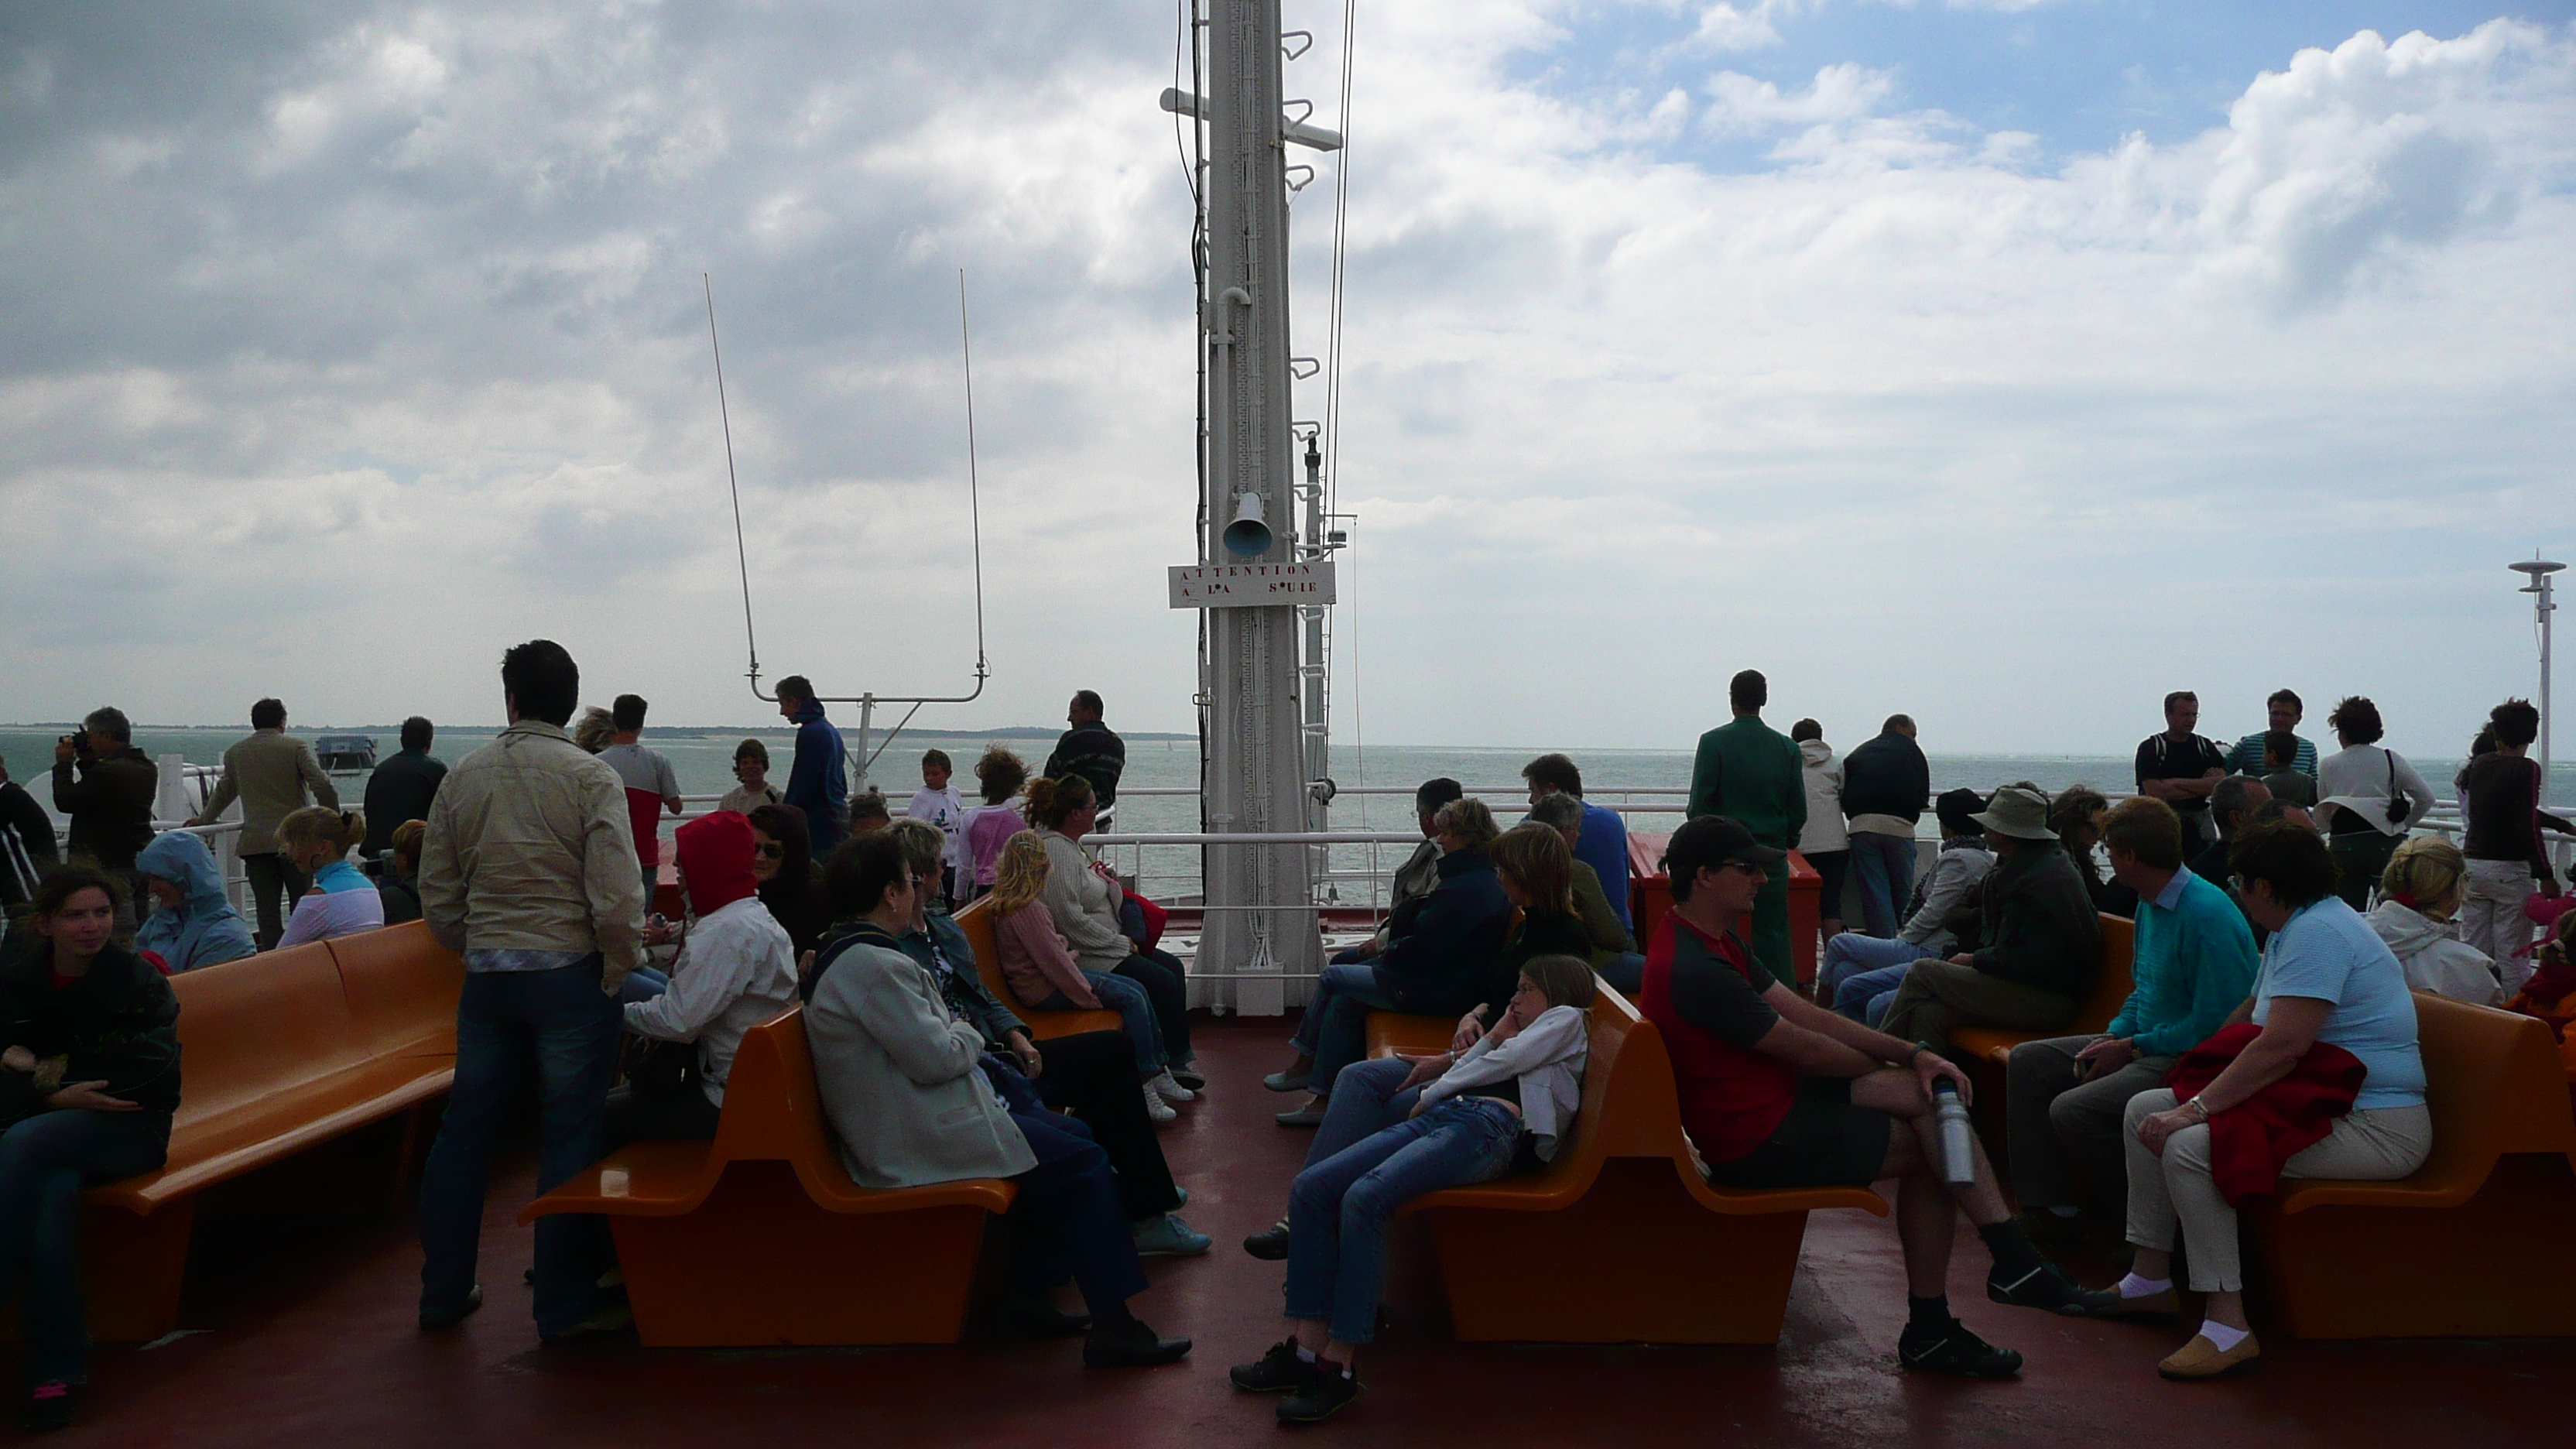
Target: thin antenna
x,y
742,555
974,494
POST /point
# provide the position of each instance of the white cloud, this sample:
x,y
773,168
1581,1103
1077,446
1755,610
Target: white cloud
x,y
392,324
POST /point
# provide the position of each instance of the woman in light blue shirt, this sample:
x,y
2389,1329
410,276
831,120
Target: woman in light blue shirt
x,y
2326,978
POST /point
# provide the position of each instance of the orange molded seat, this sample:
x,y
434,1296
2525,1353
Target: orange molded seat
x,y
1642,1248
2466,1247
759,1238
280,1053
2112,983
977,922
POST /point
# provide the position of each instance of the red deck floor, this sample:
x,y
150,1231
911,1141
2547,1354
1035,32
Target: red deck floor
x,y
308,1339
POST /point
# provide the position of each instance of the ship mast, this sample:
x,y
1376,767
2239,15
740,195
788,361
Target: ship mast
x,y
1260,897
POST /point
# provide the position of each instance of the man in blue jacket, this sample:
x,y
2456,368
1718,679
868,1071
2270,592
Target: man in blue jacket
x,y
1603,844
819,782
1886,785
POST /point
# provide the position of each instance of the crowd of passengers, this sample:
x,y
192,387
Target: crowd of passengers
x,y
2259,988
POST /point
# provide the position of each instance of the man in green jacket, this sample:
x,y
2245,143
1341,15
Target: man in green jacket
x,y
1752,772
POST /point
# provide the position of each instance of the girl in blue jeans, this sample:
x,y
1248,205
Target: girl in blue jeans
x,y
1509,1097
89,1079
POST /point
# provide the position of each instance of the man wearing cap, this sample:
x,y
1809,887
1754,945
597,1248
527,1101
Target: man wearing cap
x,y
1754,774
1777,1092
2042,940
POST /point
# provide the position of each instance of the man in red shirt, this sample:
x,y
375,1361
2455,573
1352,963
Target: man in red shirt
x,y
1778,1092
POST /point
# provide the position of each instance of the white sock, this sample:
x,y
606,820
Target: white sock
x,y
2223,1336
2134,1286
1305,1354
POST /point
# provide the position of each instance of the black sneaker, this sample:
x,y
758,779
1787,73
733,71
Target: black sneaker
x,y
50,1406
1131,1344
2046,1287
1276,1372
1270,1245
1035,1316
1954,1350
433,1322
1326,1390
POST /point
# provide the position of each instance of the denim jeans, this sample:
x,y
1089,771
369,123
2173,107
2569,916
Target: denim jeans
x,y
1338,1209
1364,1102
558,1031
1857,969
1335,1029
1884,865
642,984
45,1161
1135,1015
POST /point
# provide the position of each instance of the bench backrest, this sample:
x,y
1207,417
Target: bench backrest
x,y
2114,978
2493,1086
773,1110
401,987
977,922
251,1028
1629,1106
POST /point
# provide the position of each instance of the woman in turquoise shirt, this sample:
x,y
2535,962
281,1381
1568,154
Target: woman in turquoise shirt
x,y
2326,977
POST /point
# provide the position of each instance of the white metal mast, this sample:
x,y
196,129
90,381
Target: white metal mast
x,y
1260,898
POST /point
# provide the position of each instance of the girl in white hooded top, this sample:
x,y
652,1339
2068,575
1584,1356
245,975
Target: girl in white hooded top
x,y
1510,1097
2419,900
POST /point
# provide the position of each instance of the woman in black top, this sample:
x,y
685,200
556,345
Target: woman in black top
x,y
1537,872
2500,795
783,862
89,1078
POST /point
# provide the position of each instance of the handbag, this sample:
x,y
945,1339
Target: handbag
x,y
659,1069
2398,805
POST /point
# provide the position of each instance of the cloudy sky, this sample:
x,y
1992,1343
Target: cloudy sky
x,y
2008,363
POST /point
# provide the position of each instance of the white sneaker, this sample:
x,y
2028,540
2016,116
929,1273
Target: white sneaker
x,y
1171,1091
1158,1109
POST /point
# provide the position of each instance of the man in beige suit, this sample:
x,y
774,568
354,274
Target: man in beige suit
x,y
269,771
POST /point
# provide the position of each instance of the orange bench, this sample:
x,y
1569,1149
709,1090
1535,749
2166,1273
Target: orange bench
x,y
2113,980
760,1239
977,923
280,1053
2473,1245
1640,1247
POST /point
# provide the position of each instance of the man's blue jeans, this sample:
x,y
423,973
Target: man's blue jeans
x,y
1335,1029
558,1031
1884,865
1859,969
45,1161
1338,1209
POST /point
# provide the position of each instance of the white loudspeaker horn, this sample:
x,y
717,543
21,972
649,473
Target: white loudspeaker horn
x,y
1249,535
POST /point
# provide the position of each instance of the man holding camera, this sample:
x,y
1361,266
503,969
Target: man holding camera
x,y
106,786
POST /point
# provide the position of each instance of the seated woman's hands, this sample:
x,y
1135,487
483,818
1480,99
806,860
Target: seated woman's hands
x,y
1427,1069
1470,1028
90,1097
18,1059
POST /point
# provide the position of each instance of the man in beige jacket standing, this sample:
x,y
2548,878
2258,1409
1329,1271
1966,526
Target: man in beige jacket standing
x,y
527,869
269,771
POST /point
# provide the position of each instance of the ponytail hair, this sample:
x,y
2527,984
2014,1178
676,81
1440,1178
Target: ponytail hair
x,y
320,825
1053,801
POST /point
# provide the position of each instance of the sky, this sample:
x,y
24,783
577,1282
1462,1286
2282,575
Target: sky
x,y
2004,362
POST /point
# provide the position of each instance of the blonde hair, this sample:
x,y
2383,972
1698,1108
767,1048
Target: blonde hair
x,y
1021,873
2424,870
1534,857
317,826
1469,820
924,846
592,731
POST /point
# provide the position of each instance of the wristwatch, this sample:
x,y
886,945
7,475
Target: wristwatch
x,y
2200,1106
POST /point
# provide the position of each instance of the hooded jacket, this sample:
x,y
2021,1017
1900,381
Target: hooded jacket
x,y
1824,833
2435,957
118,1024
737,968
203,929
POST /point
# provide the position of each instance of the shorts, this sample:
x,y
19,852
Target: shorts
x,y
1825,1141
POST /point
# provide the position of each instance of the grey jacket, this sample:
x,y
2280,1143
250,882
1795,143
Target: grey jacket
x,y
269,771
899,1077
1085,907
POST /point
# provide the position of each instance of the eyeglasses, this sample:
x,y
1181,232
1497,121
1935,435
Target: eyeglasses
x,y
771,851
1746,866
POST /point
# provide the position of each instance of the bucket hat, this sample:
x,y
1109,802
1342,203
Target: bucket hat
x,y
2019,810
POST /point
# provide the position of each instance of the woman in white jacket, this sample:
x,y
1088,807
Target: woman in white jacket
x,y
2418,897
2369,798
1825,841
1510,1098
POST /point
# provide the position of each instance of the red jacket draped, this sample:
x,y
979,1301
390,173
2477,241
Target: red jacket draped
x,y
2250,1142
